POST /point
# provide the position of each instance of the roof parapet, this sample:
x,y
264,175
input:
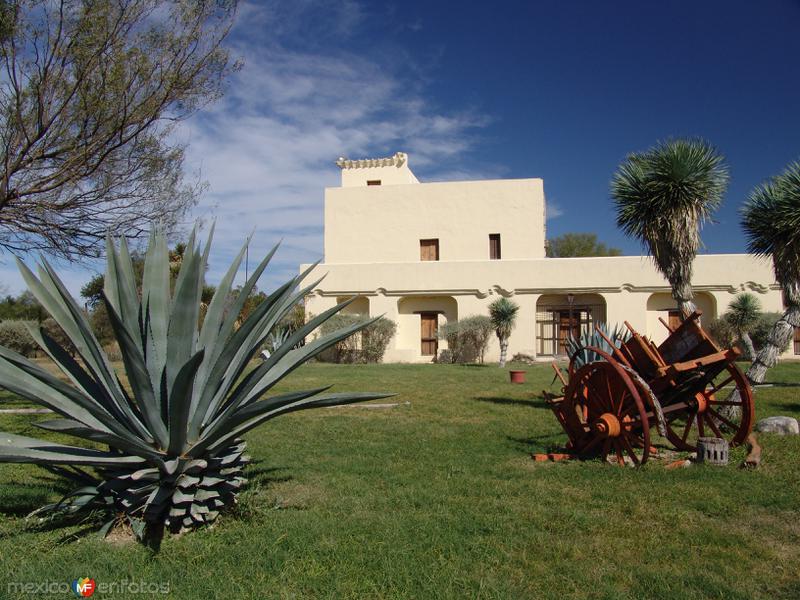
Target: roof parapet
x,y
398,160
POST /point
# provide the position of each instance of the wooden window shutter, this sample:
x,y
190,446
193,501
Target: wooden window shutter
x,y
494,246
429,249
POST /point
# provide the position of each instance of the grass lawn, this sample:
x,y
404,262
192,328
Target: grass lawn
x,y
439,498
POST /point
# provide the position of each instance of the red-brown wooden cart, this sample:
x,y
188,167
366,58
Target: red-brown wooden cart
x,y
686,387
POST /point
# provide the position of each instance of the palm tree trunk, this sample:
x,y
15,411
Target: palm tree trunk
x,y
503,351
779,337
683,295
767,357
747,342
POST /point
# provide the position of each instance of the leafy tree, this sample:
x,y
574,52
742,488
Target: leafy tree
x,y
771,221
24,307
662,198
90,92
503,313
742,315
579,244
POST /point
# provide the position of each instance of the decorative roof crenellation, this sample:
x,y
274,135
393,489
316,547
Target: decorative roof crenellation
x,y
398,160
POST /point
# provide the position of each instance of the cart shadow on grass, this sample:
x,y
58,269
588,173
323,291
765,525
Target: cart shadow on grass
x,y
537,402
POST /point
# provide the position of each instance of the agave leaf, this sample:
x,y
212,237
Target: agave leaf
x,y
190,249
128,442
256,408
243,392
156,299
228,365
19,449
129,299
281,363
30,381
216,308
180,400
73,322
204,263
70,367
321,402
229,320
184,314
138,377
241,348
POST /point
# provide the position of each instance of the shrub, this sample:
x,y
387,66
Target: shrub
x,y
375,339
467,339
722,332
15,336
366,346
725,335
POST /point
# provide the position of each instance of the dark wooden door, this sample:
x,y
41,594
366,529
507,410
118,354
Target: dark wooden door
x,y
564,328
428,334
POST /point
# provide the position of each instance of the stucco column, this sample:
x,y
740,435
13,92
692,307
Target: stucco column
x,y
523,337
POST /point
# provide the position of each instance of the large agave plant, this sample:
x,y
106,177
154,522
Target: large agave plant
x,y
167,449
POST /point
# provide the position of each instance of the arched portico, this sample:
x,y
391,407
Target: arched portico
x,y
561,315
663,305
418,322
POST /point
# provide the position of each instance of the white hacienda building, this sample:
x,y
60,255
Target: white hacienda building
x,y
427,253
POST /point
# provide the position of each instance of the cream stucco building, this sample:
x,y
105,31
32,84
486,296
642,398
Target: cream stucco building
x,y
427,253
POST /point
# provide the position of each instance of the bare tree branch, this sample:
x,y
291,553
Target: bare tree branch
x,y
90,91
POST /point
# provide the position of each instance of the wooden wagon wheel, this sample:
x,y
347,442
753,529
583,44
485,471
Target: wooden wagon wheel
x,y
604,403
724,409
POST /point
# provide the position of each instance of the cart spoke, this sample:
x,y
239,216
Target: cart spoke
x,y
591,444
719,417
716,429
700,426
689,419
629,449
718,386
724,403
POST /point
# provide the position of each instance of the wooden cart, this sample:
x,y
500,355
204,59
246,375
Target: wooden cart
x,y
686,387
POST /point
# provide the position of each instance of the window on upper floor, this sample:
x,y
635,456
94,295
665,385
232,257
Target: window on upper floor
x,y
373,181
429,249
494,246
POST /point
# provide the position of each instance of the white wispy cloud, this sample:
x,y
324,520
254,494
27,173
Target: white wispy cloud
x,y
268,147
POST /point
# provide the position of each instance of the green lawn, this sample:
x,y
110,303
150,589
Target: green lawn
x,y
439,498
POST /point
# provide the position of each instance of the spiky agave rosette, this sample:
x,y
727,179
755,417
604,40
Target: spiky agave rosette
x,y
174,453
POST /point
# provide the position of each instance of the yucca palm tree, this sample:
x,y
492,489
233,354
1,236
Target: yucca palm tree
x,y
662,197
771,221
742,315
503,313
167,449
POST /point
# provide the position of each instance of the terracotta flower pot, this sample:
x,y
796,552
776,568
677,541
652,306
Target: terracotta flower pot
x,y
517,376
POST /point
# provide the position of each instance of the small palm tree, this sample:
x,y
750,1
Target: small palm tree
x,y
503,313
662,197
742,315
771,221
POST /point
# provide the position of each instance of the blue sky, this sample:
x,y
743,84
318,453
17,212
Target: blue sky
x,y
561,90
